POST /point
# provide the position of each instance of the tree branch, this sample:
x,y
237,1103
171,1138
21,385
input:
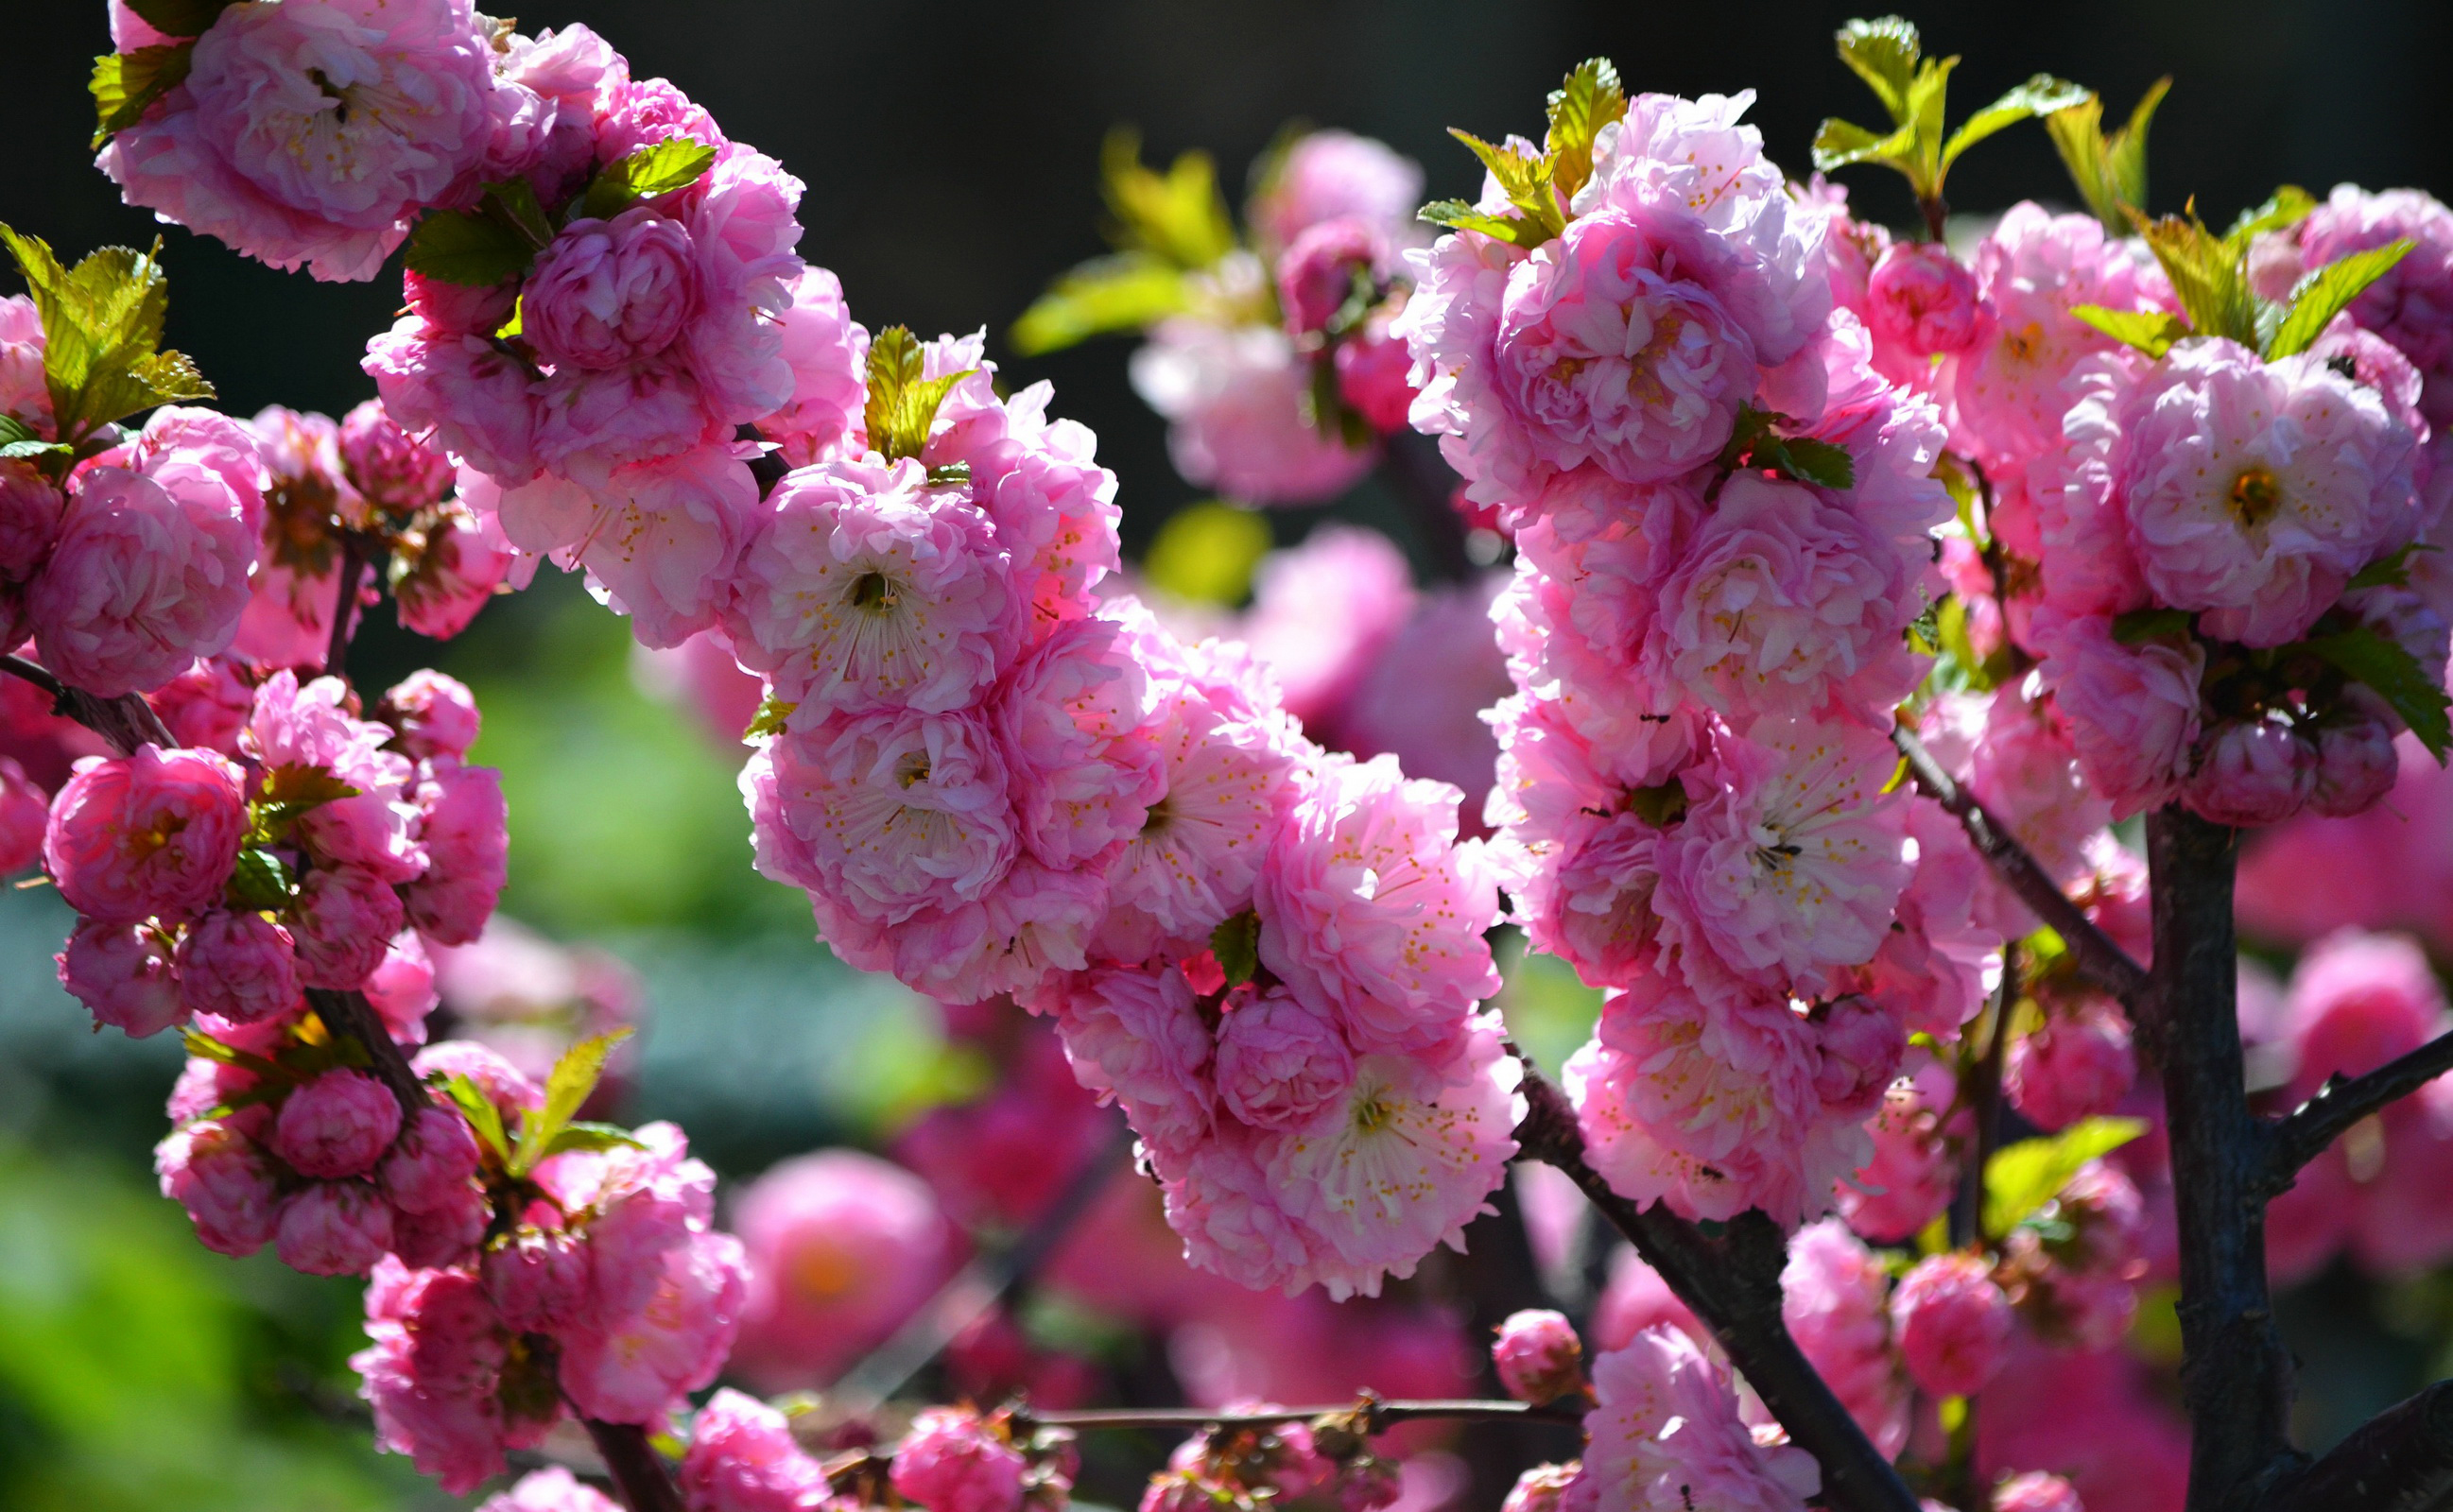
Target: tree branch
x,y
127,721
349,1016
2235,1373
345,606
1377,1416
637,1470
2399,1460
2303,1135
2101,962
1732,1281
1420,479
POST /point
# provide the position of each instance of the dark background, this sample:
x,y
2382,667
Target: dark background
x,y
951,150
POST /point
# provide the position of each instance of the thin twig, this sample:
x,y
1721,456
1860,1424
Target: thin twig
x,y
977,1287
1424,485
349,1016
637,1470
2101,961
1376,1416
1731,1282
127,722
2302,1134
2399,1460
345,608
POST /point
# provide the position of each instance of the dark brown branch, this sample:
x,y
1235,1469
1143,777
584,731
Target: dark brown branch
x,y
2344,1101
1422,481
637,1470
127,721
1377,1416
2101,961
2236,1374
345,608
349,1016
1732,1281
2399,1460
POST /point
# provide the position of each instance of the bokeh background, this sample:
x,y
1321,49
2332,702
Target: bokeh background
x,y
951,154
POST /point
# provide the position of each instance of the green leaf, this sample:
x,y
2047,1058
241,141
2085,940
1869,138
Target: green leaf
x,y
1884,53
591,1137
2024,1177
2109,171
2141,625
1459,216
903,404
1590,99
1236,943
125,83
467,248
2393,674
287,793
260,880
2209,277
2327,293
2287,207
2152,331
1983,673
179,18
485,1118
205,1046
1842,143
1205,552
2041,95
773,712
675,162
21,450
1811,461
2387,571
1524,178
102,325
1124,292
514,203
565,1087
1177,216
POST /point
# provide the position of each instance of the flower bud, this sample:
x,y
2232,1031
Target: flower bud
x,y
338,1125
1539,1357
538,1282
335,1228
431,1164
1920,298
239,966
2252,772
952,1462
342,923
1316,275
1543,1488
434,715
2080,1063
2036,1491
444,1235
226,1183
1373,376
2355,766
1367,1482
389,467
1953,1324
123,972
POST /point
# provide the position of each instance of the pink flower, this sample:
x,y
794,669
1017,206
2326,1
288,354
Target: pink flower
x,y
866,587
226,1183
430,1163
123,972
207,706
827,352
155,834
2132,710
743,1458
1322,611
239,966
1422,698
150,572
342,923
441,1380
665,539
2251,772
554,1490
461,826
1375,374
2412,304
479,402
951,1462
2078,1065
1954,1324
1053,506
388,465
1612,347
315,134
2357,763
2036,1491
433,714
841,1248
1280,1060
30,509
2025,770
1543,1488
1325,175
1834,1293
25,395
1911,1177
333,1229
1539,1357
1235,398
1666,1433
1920,300
609,291
1316,273
1071,721
1135,1038
446,570
338,1125
1367,902
25,811
2357,1001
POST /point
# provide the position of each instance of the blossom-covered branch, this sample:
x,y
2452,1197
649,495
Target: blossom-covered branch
x,y
1368,1415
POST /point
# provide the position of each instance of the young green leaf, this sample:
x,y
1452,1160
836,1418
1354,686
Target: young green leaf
x,y
2327,293
467,248
591,1137
1123,293
2141,625
179,18
1524,178
125,83
1884,53
1459,216
1236,943
901,403
2041,95
1839,144
2393,674
565,1087
485,1120
2109,171
2287,207
2024,1177
18,440
771,714
675,162
289,792
2152,331
102,324
2209,277
2386,571
260,880
1591,98
205,1046
1178,216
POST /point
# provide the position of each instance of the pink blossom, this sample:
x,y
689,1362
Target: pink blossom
x,y
1236,400
1316,273
25,395
841,1248
30,509
446,570
2411,306
2132,710
123,973
315,134
226,1183
2251,772
827,352
433,714
743,1458
554,1490
25,811
2080,1063
478,402
155,834
1053,506
207,706
539,1281
430,1163
333,1229
338,1125
237,965
1538,1357
1834,1298
1325,175
2357,1001
1954,1324
2025,770
1375,374
866,587
1911,1177
665,539
1322,611
1545,1488
1921,300
1665,1434
388,465
1135,1038
1071,720
342,923
2356,762
1422,698
1280,1060
461,826
439,1376
2036,1491
609,291
951,1462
